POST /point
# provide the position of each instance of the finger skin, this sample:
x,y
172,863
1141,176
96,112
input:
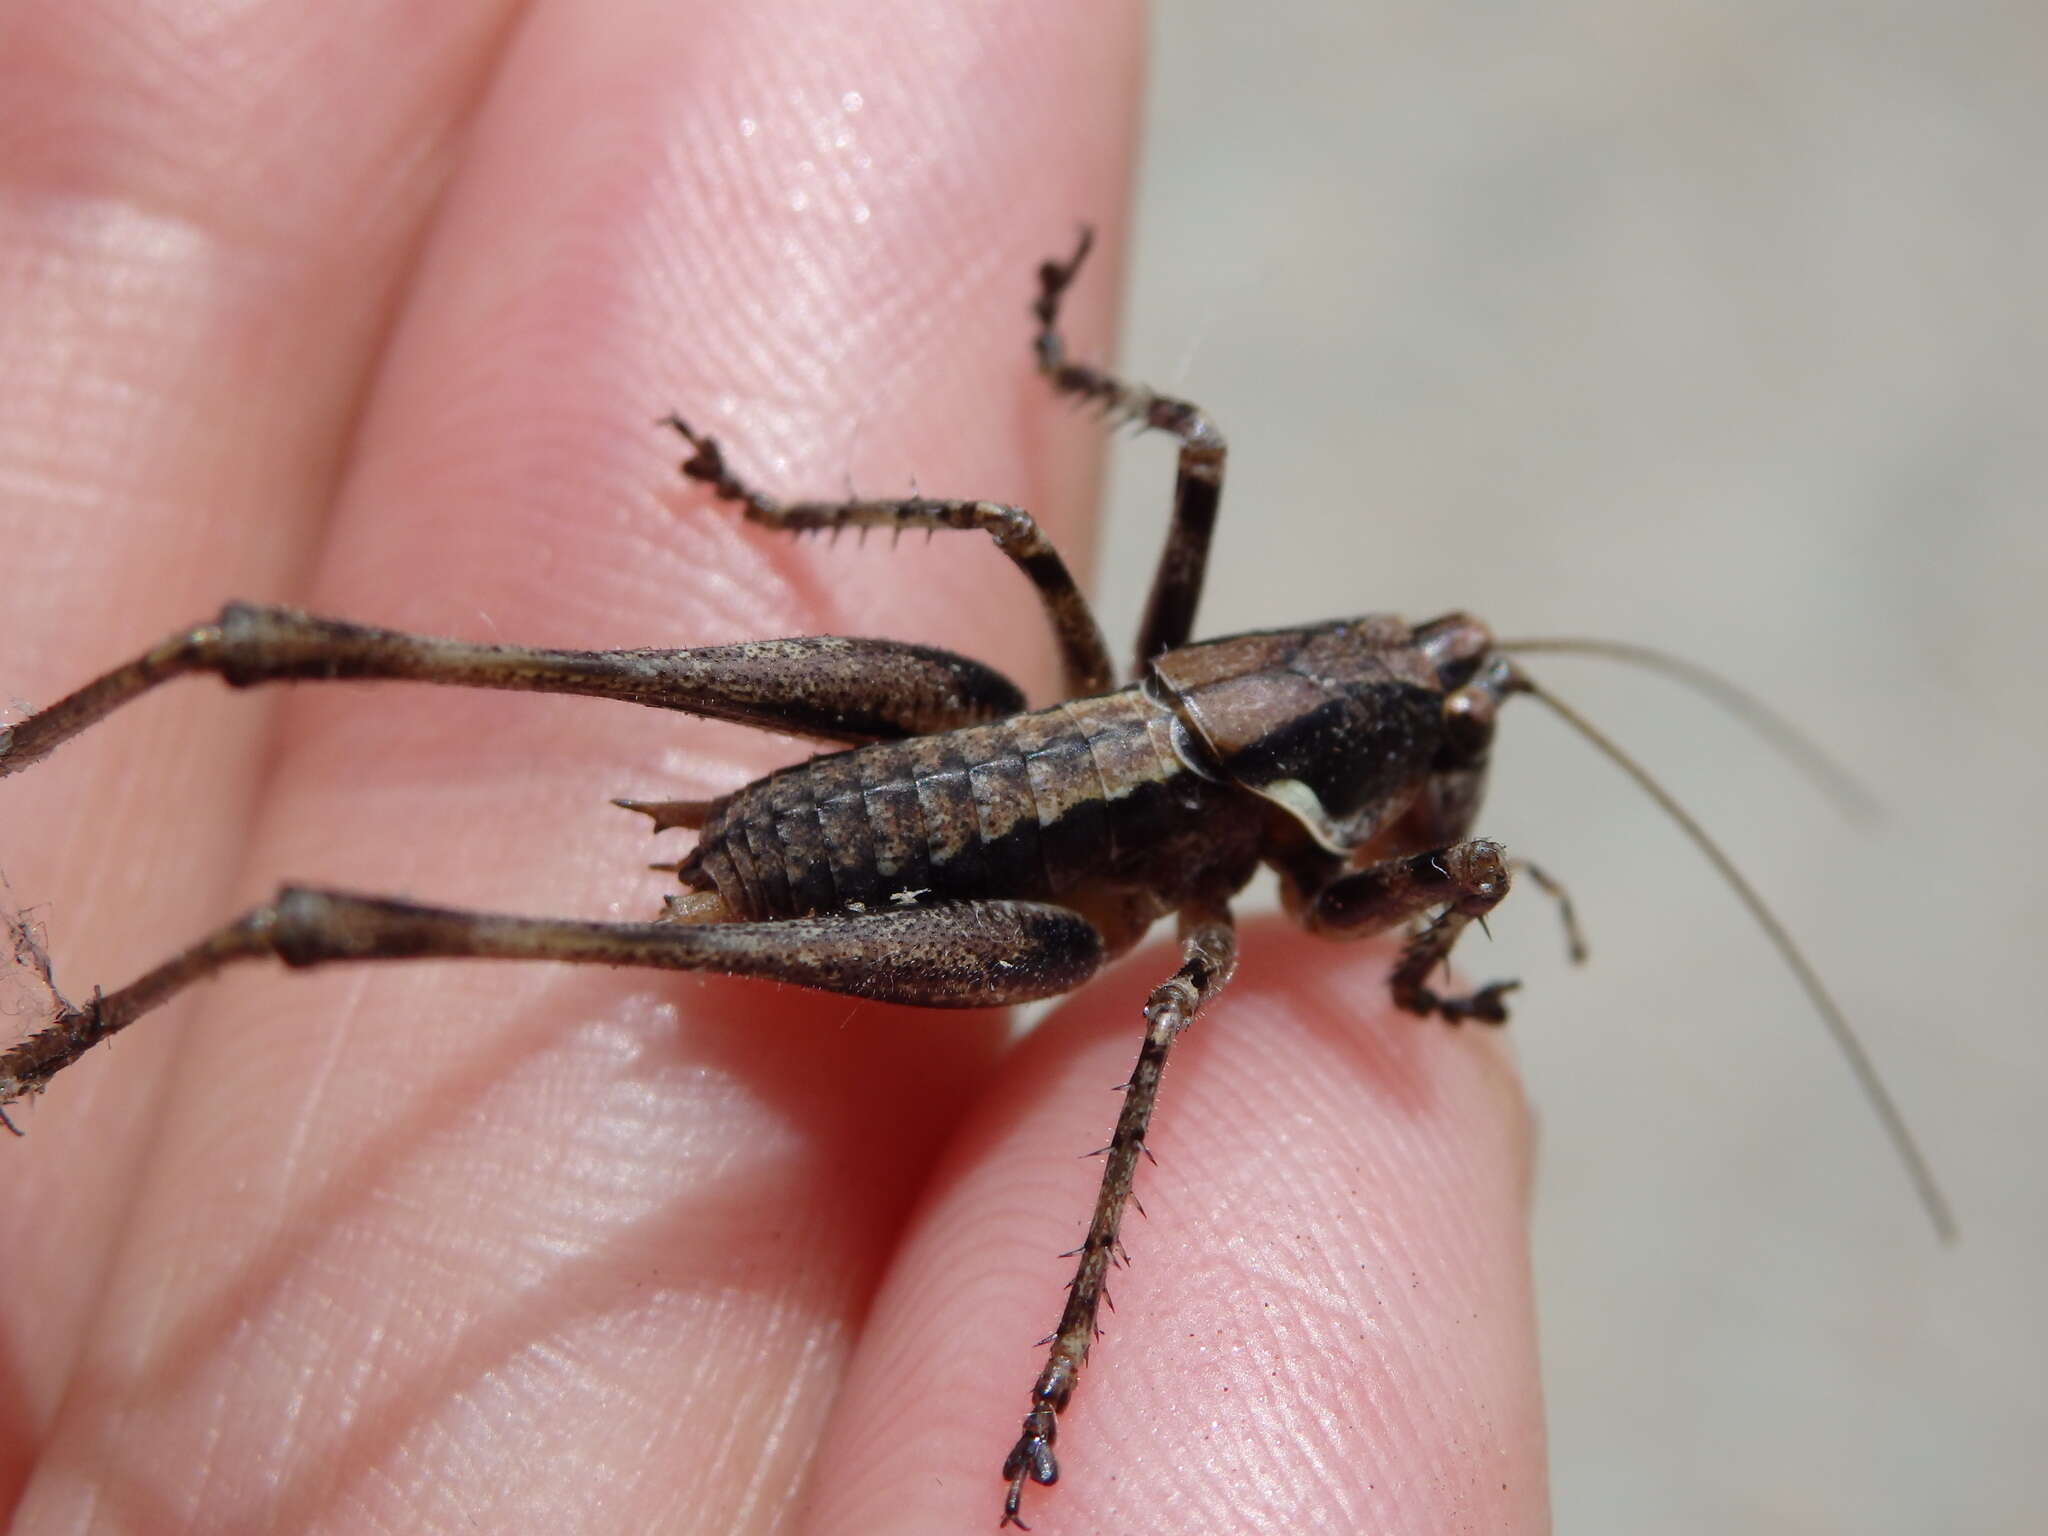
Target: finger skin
x,y
204,221
473,1248
1325,1322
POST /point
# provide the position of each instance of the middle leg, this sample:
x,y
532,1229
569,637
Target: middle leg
x,y
1084,658
1198,483
1208,946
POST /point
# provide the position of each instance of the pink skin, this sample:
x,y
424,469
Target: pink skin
x,y
372,308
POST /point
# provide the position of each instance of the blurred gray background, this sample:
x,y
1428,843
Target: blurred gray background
x,y
1718,327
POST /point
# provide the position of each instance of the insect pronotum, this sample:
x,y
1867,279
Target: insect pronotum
x,y
960,850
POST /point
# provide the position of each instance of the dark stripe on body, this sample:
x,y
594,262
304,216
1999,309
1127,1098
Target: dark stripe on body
x,y
952,825
848,832
801,845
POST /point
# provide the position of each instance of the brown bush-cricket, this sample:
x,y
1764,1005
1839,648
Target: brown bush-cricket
x,y
960,850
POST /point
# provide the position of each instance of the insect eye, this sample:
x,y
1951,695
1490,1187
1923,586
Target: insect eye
x,y
1468,721
1455,645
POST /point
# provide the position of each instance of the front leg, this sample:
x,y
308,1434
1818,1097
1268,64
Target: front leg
x,y
1467,880
1208,946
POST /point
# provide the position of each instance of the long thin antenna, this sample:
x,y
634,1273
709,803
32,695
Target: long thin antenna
x,y
1881,1101
1834,781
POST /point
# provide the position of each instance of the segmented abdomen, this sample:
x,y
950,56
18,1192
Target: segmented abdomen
x,y
1042,806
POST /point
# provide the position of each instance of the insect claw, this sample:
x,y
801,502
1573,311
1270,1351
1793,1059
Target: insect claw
x,y
1485,1005
1054,277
